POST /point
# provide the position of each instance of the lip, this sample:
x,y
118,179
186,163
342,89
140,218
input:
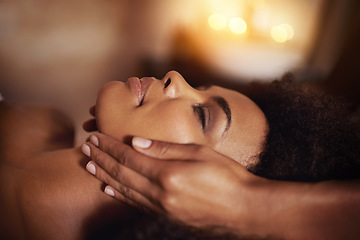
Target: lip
x,y
139,87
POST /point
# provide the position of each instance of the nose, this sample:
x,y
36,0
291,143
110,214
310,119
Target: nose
x,y
175,86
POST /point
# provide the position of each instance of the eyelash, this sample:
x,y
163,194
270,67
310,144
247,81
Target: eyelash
x,y
199,109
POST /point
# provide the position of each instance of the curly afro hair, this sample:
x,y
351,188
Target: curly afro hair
x,y
312,136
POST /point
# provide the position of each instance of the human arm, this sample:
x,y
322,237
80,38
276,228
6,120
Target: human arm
x,y
201,187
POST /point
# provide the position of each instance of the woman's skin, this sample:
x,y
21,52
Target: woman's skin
x,y
44,191
173,111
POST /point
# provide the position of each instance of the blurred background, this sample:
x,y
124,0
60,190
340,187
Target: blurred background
x,y
60,52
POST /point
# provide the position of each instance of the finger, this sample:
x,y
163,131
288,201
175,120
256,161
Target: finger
x,y
133,199
108,170
90,125
92,110
124,155
166,150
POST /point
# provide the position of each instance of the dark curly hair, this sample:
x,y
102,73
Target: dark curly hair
x,y
312,136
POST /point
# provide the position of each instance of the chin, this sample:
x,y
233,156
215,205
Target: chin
x,y
112,101
109,88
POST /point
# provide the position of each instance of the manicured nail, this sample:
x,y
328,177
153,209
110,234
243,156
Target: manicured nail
x,y
141,142
91,168
94,140
109,191
85,149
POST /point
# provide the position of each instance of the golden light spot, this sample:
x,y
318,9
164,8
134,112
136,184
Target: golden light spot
x,y
237,25
282,33
289,30
217,21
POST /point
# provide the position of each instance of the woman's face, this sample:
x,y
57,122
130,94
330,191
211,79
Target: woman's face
x,y
171,110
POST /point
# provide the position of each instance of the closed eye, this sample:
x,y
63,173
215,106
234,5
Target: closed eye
x,y
200,111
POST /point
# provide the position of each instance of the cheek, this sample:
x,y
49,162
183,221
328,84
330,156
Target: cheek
x,y
159,119
169,123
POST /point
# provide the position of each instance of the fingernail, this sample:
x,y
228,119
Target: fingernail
x,y
91,168
94,140
141,142
109,191
85,149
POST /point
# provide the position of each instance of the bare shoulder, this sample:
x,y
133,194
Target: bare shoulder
x,y
52,196
31,129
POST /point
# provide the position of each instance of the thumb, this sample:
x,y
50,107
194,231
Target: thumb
x,y
169,151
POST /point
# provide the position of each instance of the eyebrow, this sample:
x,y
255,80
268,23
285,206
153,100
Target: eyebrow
x,y
224,105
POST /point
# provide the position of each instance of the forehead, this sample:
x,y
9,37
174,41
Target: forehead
x,y
247,132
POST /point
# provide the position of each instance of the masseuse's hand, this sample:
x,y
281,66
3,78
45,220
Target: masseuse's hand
x,y
200,187
189,183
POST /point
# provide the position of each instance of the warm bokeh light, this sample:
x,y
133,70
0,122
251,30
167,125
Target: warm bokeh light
x,y
282,33
237,25
217,21
279,34
289,30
